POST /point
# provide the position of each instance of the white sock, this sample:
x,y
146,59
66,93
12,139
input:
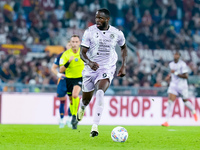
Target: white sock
x,y
82,106
98,106
94,126
188,104
169,109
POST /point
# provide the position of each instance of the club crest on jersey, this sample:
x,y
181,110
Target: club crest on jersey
x,y
104,75
112,36
76,59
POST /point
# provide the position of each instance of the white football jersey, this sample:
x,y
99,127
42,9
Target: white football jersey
x,y
101,44
181,68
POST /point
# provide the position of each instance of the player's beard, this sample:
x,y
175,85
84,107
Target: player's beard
x,y
103,26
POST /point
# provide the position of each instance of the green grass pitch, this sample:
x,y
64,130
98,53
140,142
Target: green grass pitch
x,y
51,137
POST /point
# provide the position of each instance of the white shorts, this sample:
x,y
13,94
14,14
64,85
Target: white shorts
x,y
177,90
91,77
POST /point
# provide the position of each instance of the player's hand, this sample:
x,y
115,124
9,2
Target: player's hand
x,y
60,75
71,58
122,71
172,71
93,65
63,76
168,77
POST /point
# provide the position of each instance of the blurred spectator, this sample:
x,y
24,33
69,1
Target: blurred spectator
x,y
196,37
59,12
5,73
94,6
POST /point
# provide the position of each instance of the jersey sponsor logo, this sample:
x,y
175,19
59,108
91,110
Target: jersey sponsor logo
x,y
61,61
104,75
76,59
112,36
97,35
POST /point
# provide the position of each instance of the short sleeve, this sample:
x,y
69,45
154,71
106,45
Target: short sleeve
x,y
63,60
121,39
56,61
184,68
86,39
170,66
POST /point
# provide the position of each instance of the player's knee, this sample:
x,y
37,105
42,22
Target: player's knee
x,y
75,96
62,98
99,97
85,102
62,102
185,100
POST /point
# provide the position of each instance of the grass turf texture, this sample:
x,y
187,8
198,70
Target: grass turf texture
x,y
22,137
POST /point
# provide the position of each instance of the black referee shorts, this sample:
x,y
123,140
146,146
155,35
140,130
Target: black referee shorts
x,y
71,82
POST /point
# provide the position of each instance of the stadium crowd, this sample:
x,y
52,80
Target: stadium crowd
x,y
147,24
159,24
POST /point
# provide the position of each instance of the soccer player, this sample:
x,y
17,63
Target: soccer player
x,y
178,86
61,89
72,65
98,53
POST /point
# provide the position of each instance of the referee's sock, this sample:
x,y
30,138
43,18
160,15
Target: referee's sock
x,y
75,105
71,107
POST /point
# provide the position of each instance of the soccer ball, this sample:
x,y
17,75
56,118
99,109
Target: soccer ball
x,y
119,134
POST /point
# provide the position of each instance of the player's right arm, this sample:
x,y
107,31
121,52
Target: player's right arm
x,y
93,65
54,68
184,73
85,44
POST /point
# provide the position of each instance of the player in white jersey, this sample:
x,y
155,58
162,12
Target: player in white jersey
x,y
178,86
98,53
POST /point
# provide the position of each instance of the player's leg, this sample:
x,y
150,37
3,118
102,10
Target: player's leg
x,y
187,103
70,103
171,99
69,118
102,85
87,92
62,111
85,100
75,101
69,86
75,98
61,91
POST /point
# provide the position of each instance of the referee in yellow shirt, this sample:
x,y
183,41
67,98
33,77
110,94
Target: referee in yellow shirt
x,y
72,65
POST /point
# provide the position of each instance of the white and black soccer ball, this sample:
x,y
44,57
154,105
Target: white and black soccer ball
x,y
119,134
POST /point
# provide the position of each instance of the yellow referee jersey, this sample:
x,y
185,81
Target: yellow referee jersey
x,y
75,68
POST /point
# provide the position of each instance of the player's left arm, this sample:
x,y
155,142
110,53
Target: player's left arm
x,y
54,70
184,73
184,76
122,70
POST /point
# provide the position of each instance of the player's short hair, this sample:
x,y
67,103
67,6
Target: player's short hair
x,y
177,52
105,11
75,35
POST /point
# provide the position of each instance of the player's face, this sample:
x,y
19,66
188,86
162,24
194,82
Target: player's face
x,y
75,43
101,20
176,56
68,46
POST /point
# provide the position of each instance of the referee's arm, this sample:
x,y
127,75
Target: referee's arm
x,y
63,68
